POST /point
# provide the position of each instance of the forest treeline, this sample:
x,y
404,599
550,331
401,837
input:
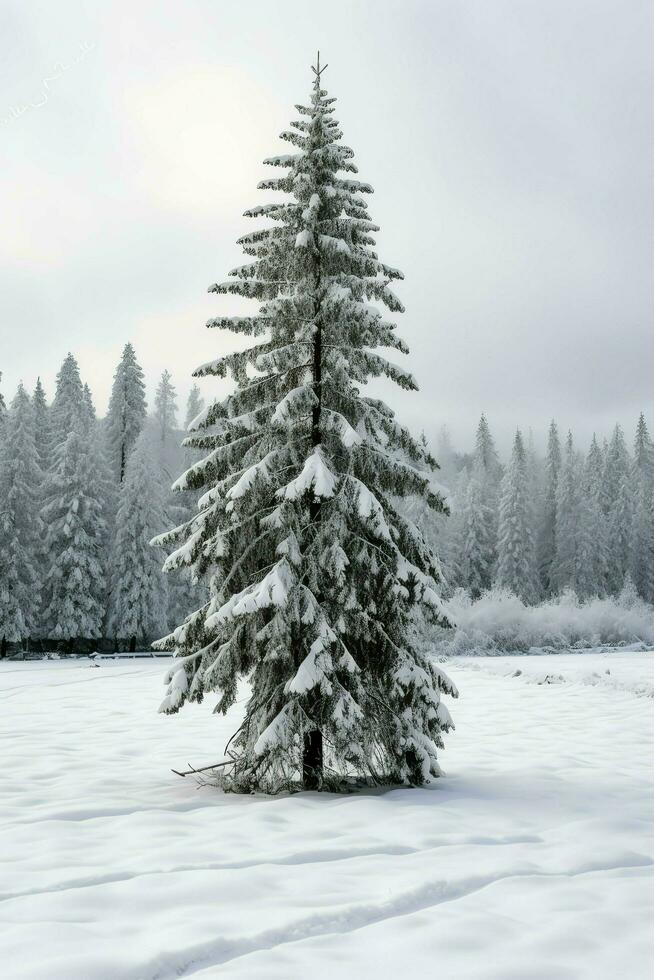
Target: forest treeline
x,y
81,500
540,526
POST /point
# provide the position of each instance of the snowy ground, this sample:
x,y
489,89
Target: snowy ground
x,y
534,858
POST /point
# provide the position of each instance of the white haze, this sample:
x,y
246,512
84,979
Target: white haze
x,y
508,144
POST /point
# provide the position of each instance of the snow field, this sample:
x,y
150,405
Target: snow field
x,y
534,858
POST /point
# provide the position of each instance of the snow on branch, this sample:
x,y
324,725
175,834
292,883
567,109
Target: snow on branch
x,y
272,590
315,475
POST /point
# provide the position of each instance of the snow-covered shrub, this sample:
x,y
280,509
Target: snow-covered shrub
x,y
500,622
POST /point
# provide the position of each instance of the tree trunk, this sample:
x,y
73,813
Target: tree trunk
x,y
132,645
312,760
3,648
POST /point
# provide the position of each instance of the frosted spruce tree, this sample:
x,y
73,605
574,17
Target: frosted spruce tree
x,y
516,557
74,588
477,529
165,410
68,402
41,426
127,411
593,493
642,531
564,566
138,588
194,405
618,480
487,470
546,544
314,573
20,480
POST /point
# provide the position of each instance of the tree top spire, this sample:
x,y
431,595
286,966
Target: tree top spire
x,y
317,70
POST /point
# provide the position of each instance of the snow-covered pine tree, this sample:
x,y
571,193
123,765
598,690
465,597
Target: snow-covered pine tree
x,y
516,558
75,537
127,411
597,535
452,543
642,532
486,456
165,419
643,450
534,471
20,479
67,403
194,405
75,587
564,566
477,527
487,471
617,466
587,582
314,573
618,477
546,545
41,426
138,588
103,487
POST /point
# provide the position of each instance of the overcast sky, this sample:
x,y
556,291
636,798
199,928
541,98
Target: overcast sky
x,y
509,143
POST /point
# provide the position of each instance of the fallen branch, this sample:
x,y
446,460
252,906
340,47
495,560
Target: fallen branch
x,y
190,771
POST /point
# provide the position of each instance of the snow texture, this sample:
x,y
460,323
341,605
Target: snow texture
x,y
533,858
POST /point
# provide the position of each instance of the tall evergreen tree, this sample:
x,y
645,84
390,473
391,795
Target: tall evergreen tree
x,y
20,478
314,573
138,594
477,524
546,546
165,425
75,587
616,468
642,532
516,557
194,405
564,567
68,404
618,481
42,434
597,535
127,411
165,408
486,455
487,472
102,487
587,581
